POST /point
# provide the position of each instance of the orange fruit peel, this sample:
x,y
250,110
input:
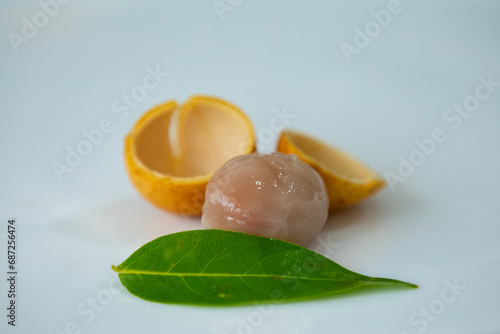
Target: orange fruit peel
x,y
347,180
173,150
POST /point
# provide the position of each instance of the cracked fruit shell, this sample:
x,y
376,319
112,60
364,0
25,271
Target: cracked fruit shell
x,y
173,150
347,180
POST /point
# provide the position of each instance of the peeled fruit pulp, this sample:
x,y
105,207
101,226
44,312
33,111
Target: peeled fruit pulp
x,y
173,150
347,180
271,195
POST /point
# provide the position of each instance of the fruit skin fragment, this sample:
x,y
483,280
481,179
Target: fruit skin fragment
x,y
169,193
343,190
158,182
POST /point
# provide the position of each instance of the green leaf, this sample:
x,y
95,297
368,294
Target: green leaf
x,y
222,268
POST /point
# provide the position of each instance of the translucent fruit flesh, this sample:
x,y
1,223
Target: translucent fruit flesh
x,y
272,195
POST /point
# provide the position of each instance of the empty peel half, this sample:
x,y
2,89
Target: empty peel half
x,y
172,150
348,181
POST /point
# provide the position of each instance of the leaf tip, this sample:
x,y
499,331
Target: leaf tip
x,y
407,284
393,282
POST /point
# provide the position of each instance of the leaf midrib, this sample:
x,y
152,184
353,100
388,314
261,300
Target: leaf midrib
x,y
165,273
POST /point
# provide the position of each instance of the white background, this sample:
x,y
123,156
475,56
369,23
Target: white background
x,y
442,224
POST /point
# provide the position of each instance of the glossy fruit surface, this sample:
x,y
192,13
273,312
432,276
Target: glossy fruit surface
x,y
272,195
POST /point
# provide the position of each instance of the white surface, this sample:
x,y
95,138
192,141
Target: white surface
x,y
441,224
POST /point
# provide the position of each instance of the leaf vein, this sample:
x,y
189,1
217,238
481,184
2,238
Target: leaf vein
x,y
182,258
216,255
189,287
164,273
